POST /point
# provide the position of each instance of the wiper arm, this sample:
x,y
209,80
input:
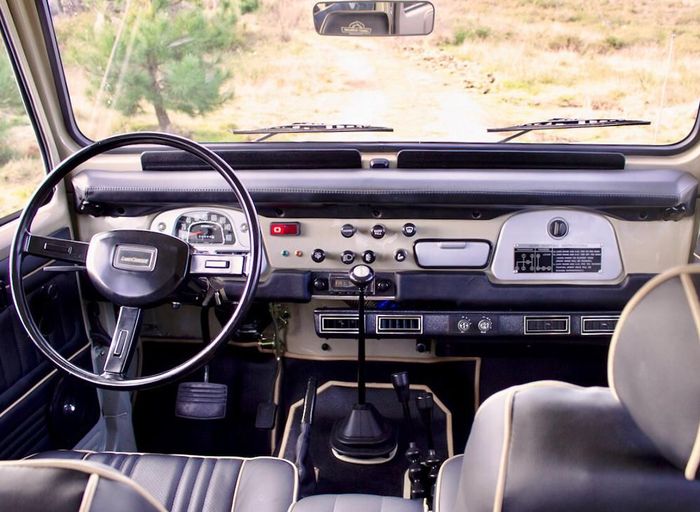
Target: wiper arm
x,y
310,128
562,124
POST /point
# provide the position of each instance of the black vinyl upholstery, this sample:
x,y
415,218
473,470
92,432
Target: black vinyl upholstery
x,y
61,485
211,484
551,446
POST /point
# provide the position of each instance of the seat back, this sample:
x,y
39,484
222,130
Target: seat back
x,y
70,486
654,364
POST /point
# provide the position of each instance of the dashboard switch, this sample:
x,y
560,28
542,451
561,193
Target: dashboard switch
x,y
347,257
285,229
318,255
400,255
485,325
348,230
464,325
369,257
378,231
409,229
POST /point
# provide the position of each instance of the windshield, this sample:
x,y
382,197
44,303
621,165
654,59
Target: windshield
x,y
204,69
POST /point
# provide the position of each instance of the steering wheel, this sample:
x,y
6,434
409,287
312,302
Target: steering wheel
x,y
133,269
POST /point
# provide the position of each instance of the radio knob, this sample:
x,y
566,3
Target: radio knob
x,y
320,284
383,285
348,230
369,257
318,255
347,257
378,231
485,325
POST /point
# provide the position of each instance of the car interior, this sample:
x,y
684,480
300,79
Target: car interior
x,y
341,318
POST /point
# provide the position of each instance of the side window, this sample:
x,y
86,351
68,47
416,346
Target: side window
x,y
21,165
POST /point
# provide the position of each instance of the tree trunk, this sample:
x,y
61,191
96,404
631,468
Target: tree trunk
x,y
161,115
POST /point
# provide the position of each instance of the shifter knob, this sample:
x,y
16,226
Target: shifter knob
x,y
361,275
401,385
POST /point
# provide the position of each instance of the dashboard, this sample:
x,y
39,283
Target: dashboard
x,y
460,255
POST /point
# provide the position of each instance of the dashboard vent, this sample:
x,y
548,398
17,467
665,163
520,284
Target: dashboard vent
x,y
547,325
598,325
338,323
399,324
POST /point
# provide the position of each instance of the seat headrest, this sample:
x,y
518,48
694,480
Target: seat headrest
x,y
654,364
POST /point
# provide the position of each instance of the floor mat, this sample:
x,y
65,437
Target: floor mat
x,y
249,376
333,402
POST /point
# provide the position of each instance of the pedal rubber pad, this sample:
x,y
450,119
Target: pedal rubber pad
x,y
201,401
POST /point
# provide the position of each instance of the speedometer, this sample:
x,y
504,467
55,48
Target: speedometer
x,y
204,227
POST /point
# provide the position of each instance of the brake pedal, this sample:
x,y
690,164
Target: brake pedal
x,y
201,401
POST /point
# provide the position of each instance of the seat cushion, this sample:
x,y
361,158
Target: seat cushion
x,y
356,503
211,484
553,446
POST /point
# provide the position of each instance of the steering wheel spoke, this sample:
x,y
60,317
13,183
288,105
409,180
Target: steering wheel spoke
x,y
121,350
70,251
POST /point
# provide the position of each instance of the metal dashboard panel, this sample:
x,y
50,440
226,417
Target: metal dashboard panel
x,y
589,235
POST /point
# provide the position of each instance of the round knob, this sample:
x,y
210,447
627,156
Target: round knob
x,y
361,275
348,230
378,231
318,255
383,285
400,255
347,257
409,229
369,256
464,324
320,284
485,325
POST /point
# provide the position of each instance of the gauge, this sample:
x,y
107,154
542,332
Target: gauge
x,y
204,227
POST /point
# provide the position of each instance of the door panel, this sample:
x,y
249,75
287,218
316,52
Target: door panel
x,y
28,383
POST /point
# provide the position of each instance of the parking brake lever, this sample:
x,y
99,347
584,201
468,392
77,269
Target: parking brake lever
x,y
416,471
431,464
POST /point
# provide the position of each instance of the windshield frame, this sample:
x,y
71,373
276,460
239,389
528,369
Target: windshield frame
x,y
72,128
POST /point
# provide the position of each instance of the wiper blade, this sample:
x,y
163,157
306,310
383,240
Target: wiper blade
x,y
310,128
559,123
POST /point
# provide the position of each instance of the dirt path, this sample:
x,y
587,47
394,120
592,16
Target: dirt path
x,y
372,81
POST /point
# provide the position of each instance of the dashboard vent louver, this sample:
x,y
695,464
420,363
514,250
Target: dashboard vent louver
x,y
598,325
399,324
338,323
540,325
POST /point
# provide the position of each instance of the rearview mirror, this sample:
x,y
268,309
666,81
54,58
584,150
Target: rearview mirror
x,y
373,19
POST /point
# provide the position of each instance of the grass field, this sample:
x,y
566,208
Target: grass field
x,y
487,63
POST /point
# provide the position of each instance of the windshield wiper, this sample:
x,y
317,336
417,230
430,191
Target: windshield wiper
x,y
310,128
562,124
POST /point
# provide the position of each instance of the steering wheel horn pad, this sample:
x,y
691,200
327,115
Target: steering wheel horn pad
x,y
135,267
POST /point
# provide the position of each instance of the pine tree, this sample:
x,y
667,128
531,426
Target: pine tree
x,y
168,55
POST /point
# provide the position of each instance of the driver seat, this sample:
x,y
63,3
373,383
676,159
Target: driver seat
x,y
177,483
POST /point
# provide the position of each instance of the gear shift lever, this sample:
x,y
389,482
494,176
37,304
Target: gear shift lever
x,y
361,276
363,434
